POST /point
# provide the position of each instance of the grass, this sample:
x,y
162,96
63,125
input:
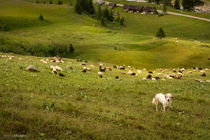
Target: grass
x,y
135,42
84,106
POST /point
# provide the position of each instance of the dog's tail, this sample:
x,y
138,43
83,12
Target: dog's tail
x,y
153,100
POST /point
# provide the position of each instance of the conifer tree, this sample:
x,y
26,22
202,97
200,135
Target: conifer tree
x,y
176,4
160,33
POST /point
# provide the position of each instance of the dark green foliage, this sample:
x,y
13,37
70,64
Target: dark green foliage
x,y
188,4
51,2
106,13
118,19
99,13
78,8
71,48
4,28
85,6
160,33
60,2
41,18
157,1
167,2
102,22
176,4
122,21
111,17
37,2
164,9
90,7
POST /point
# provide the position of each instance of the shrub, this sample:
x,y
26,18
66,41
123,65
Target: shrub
x,y
51,2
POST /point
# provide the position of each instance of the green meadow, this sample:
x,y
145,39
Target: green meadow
x,y
42,105
132,44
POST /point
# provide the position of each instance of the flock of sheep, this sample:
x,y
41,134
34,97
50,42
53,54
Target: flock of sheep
x,y
162,75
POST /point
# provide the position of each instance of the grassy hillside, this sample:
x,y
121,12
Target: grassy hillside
x,y
133,44
83,106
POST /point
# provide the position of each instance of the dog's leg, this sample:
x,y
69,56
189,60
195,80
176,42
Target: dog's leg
x,y
156,107
164,108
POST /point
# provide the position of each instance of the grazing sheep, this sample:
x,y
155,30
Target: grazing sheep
x,y
84,69
57,59
62,75
79,60
110,69
115,66
139,71
116,77
57,68
178,76
102,69
69,67
150,72
203,75
32,68
157,78
122,67
43,61
83,64
149,77
100,74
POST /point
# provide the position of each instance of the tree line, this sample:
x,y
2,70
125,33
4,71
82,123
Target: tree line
x,y
105,15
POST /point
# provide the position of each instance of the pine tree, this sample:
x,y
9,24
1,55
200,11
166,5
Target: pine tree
x,y
99,13
106,13
78,8
71,48
41,18
122,21
160,33
176,4
188,4
111,17
90,9
164,9
103,22
51,2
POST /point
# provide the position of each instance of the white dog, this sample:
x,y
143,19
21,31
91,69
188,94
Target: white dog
x,y
165,100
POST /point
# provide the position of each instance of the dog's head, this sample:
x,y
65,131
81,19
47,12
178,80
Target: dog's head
x,y
168,97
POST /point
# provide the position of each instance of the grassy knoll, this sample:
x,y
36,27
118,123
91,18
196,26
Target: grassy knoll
x,y
84,106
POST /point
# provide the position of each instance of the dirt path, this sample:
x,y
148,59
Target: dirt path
x,y
184,15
